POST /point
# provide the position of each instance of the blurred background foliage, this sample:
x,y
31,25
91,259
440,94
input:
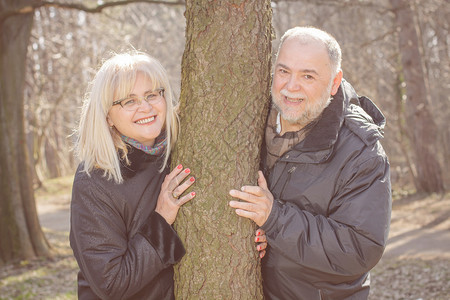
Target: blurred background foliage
x,y
67,47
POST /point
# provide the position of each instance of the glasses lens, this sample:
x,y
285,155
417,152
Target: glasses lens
x,y
152,97
131,103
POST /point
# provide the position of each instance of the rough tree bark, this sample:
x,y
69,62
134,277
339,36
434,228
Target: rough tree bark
x,y
20,233
422,126
224,100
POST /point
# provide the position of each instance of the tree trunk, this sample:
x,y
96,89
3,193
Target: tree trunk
x,y
20,233
224,102
419,119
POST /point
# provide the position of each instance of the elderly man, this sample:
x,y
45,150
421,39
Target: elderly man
x,y
325,207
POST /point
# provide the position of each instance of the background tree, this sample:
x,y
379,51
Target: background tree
x,y
52,104
367,32
20,232
419,119
224,100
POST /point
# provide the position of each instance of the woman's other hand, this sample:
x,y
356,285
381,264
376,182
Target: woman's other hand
x,y
261,242
174,185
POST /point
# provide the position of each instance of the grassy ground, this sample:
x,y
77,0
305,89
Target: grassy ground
x,y
418,277
53,278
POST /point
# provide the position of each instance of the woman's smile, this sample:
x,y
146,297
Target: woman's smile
x,y
146,121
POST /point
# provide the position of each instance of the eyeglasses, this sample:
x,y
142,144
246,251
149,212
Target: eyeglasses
x,y
132,103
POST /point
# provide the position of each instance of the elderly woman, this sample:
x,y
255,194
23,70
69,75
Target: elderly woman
x,y
124,199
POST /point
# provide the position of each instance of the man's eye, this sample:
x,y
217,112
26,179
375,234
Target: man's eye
x,y
308,77
282,71
129,102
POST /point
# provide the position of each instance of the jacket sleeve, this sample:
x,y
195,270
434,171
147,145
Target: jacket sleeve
x,y
347,242
117,265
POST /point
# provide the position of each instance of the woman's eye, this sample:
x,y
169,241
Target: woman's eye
x,y
129,102
150,96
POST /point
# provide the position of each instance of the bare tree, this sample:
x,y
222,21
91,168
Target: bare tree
x,y
52,98
434,28
20,231
419,117
367,32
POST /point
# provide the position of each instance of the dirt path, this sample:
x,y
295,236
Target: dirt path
x,y
416,263
54,213
420,227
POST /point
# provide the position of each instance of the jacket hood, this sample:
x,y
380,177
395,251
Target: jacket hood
x,y
363,117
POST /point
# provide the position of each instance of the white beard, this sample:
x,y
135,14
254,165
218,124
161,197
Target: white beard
x,y
311,111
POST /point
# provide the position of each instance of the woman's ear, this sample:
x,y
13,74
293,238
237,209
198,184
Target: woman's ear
x,y
110,123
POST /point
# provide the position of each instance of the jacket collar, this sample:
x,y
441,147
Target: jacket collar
x,y
359,114
138,160
325,132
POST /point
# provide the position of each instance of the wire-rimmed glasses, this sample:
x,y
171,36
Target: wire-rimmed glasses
x,y
133,103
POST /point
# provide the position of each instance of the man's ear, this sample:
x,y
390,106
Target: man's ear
x,y
336,83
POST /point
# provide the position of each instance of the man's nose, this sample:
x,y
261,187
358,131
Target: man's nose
x,y
294,83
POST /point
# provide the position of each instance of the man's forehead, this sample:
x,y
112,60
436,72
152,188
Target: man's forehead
x,y
297,54
301,45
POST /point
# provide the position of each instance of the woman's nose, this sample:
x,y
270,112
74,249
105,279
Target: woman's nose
x,y
144,105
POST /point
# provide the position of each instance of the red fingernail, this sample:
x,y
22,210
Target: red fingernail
x,y
187,171
258,233
193,194
179,166
261,255
192,179
257,239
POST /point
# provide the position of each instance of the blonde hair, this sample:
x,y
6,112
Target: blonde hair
x,y
97,144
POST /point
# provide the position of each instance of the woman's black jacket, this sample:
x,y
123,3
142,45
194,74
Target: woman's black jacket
x,y
125,250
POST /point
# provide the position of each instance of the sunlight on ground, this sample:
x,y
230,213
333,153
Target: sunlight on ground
x,y
397,276
411,278
53,278
54,187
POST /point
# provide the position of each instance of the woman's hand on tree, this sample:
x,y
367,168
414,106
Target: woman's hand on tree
x,y
261,242
170,198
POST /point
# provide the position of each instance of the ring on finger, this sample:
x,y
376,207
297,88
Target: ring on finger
x,y
174,195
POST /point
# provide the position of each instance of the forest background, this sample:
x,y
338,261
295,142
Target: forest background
x,y
67,46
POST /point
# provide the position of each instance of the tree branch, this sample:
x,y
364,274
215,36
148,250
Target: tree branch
x,y
379,38
78,6
338,3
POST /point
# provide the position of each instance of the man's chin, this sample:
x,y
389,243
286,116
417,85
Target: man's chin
x,y
292,119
